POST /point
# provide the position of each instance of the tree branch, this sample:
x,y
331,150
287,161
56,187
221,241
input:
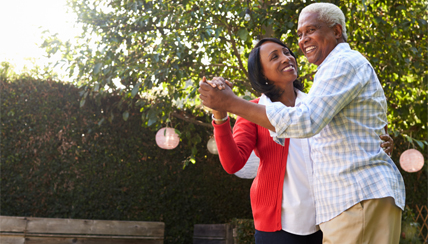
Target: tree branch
x,y
191,120
235,50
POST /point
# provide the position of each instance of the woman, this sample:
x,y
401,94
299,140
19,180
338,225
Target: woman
x,y
281,194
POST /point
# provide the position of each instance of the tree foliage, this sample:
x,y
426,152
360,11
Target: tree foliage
x,y
159,50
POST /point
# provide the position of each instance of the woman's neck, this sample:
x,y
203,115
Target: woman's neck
x,y
288,97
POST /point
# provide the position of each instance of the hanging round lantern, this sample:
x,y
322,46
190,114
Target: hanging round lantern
x,y
212,146
411,160
167,138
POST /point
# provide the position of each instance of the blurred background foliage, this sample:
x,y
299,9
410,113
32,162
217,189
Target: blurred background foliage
x,y
87,149
154,53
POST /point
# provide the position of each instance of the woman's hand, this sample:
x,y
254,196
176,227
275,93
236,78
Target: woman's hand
x,y
388,144
218,82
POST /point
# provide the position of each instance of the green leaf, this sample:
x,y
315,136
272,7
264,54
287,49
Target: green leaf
x,y
152,118
101,121
135,89
125,115
243,34
97,68
420,143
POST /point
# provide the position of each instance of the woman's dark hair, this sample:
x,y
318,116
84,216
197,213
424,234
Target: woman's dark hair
x,y
258,79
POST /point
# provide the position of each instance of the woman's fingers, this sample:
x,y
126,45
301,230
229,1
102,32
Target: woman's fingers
x,y
230,84
388,144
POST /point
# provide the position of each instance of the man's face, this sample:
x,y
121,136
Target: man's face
x,y
316,39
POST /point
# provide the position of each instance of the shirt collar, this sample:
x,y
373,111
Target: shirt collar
x,y
264,100
339,47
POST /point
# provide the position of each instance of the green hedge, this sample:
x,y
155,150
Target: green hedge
x,y
57,161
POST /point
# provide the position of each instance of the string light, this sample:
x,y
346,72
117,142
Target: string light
x,y
247,15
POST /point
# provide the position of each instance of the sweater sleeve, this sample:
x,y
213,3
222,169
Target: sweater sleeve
x,y
235,149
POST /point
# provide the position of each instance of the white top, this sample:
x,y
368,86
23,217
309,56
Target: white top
x,y
298,205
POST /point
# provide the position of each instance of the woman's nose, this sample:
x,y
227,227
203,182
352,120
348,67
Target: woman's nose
x,y
285,58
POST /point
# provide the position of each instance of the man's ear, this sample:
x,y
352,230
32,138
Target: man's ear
x,y
337,28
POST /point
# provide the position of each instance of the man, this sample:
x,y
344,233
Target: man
x,y
359,191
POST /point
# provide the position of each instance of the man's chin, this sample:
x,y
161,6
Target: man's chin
x,y
310,59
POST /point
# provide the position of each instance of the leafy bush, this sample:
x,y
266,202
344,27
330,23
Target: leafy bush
x,y
243,231
60,160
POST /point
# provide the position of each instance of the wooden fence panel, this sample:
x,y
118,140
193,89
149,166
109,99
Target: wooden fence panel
x,y
212,234
22,230
12,239
422,218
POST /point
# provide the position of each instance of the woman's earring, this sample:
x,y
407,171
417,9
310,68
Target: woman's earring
x,y
267,83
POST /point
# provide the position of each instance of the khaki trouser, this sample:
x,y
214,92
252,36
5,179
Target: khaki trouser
x,y
374,221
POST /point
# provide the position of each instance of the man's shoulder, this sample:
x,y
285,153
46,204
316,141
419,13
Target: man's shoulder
x,y
351,57
346,57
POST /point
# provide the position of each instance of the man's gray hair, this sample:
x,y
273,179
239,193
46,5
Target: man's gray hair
x,y
328,13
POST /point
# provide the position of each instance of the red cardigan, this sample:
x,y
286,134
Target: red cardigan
x,y
266,190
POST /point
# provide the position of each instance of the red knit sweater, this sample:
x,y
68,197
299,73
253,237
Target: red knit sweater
x,y
266,190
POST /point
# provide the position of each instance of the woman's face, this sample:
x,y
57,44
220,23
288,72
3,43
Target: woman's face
x,y
279,66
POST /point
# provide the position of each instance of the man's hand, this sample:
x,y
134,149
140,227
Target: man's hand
x,y
217,99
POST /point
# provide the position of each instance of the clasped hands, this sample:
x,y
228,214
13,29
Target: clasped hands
x,y
216,94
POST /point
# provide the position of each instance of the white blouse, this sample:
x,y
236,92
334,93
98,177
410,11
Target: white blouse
x,y
298,204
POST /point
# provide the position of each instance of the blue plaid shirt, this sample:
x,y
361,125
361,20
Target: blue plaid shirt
x,y
344,113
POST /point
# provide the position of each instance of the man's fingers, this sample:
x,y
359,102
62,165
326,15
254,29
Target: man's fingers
x,y
230,84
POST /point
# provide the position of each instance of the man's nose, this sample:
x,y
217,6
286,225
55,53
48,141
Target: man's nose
x,y
303,39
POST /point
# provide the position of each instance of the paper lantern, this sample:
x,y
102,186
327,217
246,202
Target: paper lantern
x,y
411,160
249,171
212,146
166,138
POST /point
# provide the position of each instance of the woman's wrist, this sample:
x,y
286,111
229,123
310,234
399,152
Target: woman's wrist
x,y
219,117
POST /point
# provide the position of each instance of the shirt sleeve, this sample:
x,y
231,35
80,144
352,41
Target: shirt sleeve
x,y
337,84
235,149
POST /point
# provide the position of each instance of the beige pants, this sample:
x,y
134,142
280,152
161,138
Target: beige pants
x,y
374,221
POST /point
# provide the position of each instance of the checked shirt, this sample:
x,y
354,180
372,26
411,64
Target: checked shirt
x,y
344,114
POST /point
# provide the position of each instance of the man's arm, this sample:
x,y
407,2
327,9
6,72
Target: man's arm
x,y
226,100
